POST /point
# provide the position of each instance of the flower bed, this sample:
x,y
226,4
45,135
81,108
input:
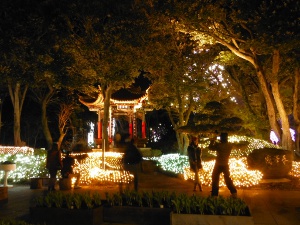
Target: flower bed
x,y
145,208
71,208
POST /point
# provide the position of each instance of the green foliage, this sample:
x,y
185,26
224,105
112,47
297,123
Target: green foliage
x,y
87,199
59,199
148,198
97,198
27,166
216,116
68,199
180,203
77,199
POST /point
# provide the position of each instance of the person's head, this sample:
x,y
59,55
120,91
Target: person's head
x,y
224,138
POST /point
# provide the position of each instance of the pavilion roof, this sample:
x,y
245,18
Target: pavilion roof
x,y
134,95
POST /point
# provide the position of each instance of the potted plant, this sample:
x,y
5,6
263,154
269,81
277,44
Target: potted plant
x,y
68,208
192,210
136,208
178,209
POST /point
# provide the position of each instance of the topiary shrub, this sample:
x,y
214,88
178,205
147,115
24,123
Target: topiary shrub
x,y
272,162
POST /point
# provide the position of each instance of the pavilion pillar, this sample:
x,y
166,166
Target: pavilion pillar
x,y
130,127
134,125
143,126
99,136
110,126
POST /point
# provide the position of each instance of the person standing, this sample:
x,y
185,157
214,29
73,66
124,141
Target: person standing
x,y
67,169
132,159
53,164
194,154
223,150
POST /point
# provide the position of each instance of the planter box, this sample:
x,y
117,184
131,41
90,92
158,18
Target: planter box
x,y
197,219
62,216
136,215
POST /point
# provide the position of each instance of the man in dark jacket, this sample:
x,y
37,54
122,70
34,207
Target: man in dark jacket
x,y
221,165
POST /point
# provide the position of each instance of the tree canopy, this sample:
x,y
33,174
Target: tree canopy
x,y
49,46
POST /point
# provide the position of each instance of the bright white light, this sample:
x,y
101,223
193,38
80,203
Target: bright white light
x,y
293,133
275,139
91,134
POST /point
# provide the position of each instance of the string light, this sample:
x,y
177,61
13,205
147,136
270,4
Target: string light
x,y
89,165
16,150
91,171
238,170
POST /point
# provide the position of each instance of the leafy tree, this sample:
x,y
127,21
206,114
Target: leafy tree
x,y
261,32
250,100
104,36
17,31
181,75
216,117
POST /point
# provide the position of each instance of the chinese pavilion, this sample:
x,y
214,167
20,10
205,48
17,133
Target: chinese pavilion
x,y
126,115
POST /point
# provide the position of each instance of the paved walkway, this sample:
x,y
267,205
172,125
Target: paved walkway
x,y
268,207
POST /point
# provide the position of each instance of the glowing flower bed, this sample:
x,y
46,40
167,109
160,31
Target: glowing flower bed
x,y
92,171
296,169
32,164
238,170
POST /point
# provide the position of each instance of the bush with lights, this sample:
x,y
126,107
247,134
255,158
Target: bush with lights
x,y
32,164
28,165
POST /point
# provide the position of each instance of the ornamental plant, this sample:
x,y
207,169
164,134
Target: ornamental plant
x,y
180,203
57,199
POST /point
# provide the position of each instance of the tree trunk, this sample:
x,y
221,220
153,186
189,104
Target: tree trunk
x,y
296,113
60,139
45,126
17,98
44,99
270,102
107,96
286,140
